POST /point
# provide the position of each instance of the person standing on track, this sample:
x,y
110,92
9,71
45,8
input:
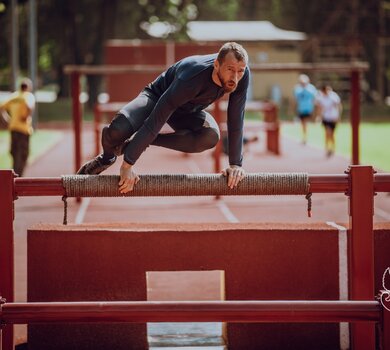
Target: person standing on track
x,y
17,110
304,102
330,109
179,97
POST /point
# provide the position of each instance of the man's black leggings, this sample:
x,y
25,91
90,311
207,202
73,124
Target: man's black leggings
x,y
192,133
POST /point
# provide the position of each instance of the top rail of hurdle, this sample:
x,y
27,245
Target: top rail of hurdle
x,y
53,186
344,67
192,311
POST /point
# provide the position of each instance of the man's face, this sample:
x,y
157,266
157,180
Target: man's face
x,y
230,72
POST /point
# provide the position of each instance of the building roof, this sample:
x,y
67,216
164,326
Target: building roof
x,y
240,31
226,31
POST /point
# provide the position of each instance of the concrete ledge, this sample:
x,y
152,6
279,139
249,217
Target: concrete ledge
x,y
178,227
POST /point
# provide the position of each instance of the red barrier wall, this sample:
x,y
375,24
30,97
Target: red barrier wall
x,y
70,263
124,87
382,254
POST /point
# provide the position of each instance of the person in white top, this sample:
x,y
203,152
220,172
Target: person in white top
x,y
330,109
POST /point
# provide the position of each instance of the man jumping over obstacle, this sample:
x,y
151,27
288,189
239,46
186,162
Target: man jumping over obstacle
x,y
179,97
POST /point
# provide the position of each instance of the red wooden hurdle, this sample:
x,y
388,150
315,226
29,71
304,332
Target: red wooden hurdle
x,y
360,183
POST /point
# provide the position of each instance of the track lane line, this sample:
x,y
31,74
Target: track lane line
x,y
221,205
343,279
82,210
382,214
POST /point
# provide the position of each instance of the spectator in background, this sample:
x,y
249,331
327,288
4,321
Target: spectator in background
x,y
329,109
304,102
17,110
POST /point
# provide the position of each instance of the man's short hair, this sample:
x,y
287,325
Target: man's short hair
x,y
239,52
303,79
26,84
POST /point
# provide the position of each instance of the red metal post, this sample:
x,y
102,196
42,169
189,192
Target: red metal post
x,y
361,248
355,114
386,329
77,117
272,128
7,248
97,122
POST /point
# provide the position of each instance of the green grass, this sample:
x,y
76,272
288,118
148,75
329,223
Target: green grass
x,y
368,112
60,110
40,142
374,141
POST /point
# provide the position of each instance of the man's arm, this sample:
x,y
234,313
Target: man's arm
x,y
4,116
235,122
176,95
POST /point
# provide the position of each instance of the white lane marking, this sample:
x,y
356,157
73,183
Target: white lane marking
x,y
343,280
382,214
194,167
226,211
82,210
222,206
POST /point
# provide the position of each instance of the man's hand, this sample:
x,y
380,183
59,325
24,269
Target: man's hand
x,y
128,178
235,174
4,117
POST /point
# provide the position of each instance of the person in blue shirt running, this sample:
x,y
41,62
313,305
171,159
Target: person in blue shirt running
x,y
304,97
179,97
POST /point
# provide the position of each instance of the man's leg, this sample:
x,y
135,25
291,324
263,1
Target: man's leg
x,y
113,137
193,134
120,129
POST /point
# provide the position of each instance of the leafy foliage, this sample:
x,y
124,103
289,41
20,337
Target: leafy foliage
x,y
74,31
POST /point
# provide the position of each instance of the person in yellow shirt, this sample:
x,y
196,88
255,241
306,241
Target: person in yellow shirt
x,y
18,110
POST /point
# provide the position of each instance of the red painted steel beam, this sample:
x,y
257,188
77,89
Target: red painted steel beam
x,y
38,186
53,186
340,67
355,115
318,184
382,182
202,311
361,248
7,215
328,183
97,121
113,69
344,67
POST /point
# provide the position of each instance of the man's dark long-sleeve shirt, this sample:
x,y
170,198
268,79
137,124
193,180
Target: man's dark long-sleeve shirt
x,y
187,87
